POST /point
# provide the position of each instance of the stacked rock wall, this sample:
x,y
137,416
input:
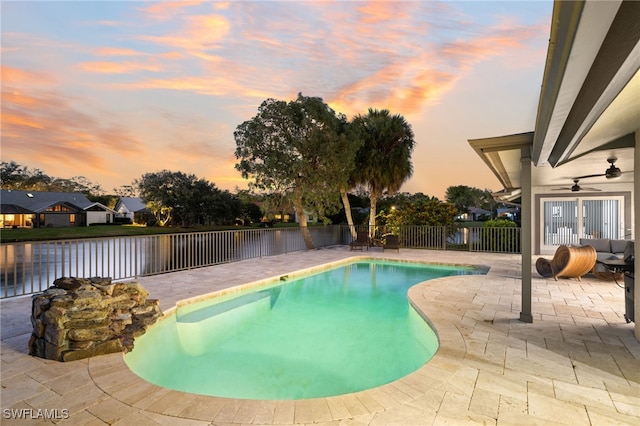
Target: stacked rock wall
x,y
83,317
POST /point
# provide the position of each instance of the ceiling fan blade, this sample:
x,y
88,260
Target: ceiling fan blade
x,y
589,176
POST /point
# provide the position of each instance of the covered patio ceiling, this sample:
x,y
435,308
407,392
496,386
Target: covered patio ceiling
x,y
505,164
589,104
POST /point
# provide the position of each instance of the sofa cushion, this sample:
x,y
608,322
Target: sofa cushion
x,y
618,246
587,242
601,245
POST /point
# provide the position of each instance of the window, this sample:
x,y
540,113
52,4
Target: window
x,y
560,223
602,219
567,220
58,208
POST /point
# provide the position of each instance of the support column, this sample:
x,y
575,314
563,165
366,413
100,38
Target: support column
x,y
636,230
526,232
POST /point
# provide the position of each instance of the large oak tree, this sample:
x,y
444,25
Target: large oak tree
x,y
297,152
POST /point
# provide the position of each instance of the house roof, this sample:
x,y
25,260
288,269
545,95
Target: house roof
x,y
101,207
130,204
13,209
478,210
588,109
37,202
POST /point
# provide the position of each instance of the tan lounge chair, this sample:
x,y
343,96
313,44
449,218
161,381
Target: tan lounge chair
x,y
568,262
391,243
361,241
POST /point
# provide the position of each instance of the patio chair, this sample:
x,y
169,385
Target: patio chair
x,y
391,242
361,241
568,262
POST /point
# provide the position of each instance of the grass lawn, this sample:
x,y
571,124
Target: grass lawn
x,y
41,234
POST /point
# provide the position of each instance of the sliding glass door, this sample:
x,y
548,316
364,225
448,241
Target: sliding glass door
x,y
566,220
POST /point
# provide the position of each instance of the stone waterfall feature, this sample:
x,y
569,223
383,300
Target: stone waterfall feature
x,y
84,317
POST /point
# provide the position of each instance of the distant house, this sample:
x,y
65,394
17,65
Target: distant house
x,y
97,213
132,208
12,216
512,213
284,213
312,216
475,213
32,209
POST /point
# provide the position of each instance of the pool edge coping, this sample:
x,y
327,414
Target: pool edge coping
x,y
276,280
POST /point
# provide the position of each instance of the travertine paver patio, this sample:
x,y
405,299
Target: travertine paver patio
x,y
578,363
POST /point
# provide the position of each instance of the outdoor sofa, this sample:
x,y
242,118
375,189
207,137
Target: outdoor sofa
x,y
606,249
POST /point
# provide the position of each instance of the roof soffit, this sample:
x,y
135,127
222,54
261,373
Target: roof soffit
x,y
564,24
502,155
578,31
615,65
615,128
511,161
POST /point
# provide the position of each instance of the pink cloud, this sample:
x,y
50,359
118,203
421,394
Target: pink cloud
x,y
18,77
396,65
200,32
118,67
402,88
411,77
379,12
164,10
42,124
503,38
205,85
116,51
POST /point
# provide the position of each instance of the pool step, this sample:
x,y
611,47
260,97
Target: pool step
x,y
204,328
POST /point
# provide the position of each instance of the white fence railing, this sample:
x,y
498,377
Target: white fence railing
x,y
31,267
495,240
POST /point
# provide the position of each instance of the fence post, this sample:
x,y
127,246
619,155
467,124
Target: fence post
x,y
444,238
135,257
62,256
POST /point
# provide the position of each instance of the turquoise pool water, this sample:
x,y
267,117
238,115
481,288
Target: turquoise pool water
x,y
339,331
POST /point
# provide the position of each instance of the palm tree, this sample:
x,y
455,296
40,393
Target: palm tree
x,y
355,142
384,161
347,208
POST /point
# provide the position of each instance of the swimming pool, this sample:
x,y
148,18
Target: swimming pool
x,y
338,331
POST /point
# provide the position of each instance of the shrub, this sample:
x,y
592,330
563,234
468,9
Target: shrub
x,y
499,223
494,240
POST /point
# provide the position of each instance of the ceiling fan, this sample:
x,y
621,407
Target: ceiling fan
x,y
576,187
612,172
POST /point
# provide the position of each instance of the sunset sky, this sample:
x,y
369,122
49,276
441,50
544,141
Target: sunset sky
x,y
111,90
